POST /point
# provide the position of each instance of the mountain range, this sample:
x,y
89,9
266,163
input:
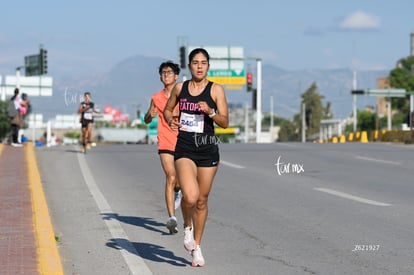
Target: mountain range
x,y
128,86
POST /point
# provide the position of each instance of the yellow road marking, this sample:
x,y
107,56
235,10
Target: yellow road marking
x,y
48,256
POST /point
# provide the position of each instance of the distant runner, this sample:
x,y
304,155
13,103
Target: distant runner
x,y
87,111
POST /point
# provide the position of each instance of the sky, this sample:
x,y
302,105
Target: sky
x,y
91,36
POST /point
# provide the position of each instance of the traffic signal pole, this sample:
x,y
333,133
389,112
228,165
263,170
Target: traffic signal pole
x,y
259,100
387,93
354,102
304,122
18,78
411,109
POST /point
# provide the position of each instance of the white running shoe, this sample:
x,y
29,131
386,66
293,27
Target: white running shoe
x,y
198,259
189,243
177,199
16,144
172,225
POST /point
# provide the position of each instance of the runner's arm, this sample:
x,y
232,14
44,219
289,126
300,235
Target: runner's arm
x,y
171,103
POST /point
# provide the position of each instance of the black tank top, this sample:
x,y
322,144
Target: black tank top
x,y
88,114
192,119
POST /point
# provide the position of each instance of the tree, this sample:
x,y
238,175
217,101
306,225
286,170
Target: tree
x,y
288,132
314,111
403,77
4,120
366,122
277,121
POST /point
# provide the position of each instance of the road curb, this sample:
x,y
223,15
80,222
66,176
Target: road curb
x,y
49,261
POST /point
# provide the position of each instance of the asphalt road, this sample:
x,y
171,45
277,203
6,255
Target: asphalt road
x,y
283,208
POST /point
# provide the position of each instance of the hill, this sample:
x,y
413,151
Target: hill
x,y
130,83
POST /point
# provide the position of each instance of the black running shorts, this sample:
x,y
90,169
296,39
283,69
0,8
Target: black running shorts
x,y
204,156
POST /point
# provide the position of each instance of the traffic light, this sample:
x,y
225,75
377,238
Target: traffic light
x,y
43,61
357,92
308,115
182,57
249,82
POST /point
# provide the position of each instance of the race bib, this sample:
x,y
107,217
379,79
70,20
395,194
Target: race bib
x,y
87,116
192,122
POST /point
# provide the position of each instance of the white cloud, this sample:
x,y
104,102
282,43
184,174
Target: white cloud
x,y
361,20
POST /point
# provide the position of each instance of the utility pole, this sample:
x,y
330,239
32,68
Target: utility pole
x,y
411,115
259,100
354,87
303,122
389,121
246,124
271,111
18,77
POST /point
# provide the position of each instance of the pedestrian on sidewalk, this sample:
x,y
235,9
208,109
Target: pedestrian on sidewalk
x,y
17,108
167,138
201,103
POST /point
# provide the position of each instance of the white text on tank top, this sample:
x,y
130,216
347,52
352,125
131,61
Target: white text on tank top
x,y
191,122
88,114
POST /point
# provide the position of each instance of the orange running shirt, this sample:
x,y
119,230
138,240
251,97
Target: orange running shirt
x,y
167,138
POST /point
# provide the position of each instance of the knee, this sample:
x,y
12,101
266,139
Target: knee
x,y
191,199
202,204
171,179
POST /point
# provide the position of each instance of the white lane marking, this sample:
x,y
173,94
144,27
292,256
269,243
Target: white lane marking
x,y
379,160
231,164
136,264
287,144
351,197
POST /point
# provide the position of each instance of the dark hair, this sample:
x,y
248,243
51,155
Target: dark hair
x,y
196,51
169,64
87,93
24,96
16,92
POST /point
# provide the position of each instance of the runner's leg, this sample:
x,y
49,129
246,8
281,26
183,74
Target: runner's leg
x,y
167,163
205,176
187,176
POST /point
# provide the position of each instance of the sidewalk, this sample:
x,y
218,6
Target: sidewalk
x,y
27,244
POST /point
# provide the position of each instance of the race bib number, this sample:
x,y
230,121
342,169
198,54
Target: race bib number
x,y
192,123
87,116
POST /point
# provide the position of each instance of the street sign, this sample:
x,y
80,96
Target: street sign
x,y
228,80
381,92
232,79
32,65
152,127
36,64
226,66
225,73
32,86
386,92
